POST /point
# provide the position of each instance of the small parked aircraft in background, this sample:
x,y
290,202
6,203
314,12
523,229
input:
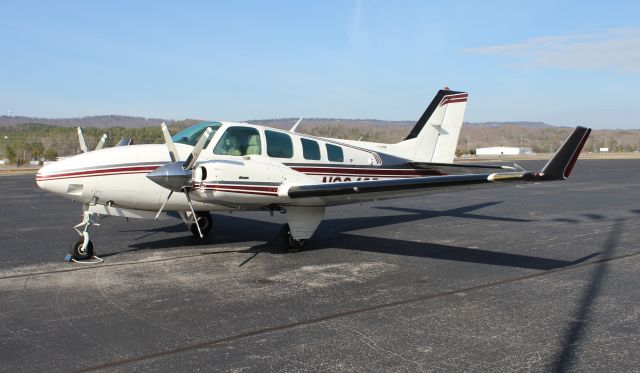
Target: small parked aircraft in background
x,y
228,166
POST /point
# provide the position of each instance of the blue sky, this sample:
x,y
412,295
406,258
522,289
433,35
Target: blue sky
x,y
564,63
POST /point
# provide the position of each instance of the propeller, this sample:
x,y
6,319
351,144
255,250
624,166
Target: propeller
x,y
177,176
101,142
83,145
173,153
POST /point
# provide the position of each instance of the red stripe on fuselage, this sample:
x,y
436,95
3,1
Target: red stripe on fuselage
x,y
99,172
242,192
243,187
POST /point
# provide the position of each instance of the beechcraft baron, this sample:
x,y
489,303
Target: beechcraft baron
x,y
227,166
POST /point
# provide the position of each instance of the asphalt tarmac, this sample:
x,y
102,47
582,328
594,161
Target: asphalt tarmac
x,y
536,278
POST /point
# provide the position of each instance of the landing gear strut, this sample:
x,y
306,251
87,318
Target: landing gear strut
x,y
82,248
203,219
289,244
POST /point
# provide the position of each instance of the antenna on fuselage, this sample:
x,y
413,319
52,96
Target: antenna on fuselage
x,y
293,129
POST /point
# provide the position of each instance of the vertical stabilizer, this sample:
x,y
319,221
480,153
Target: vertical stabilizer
x,y
435,135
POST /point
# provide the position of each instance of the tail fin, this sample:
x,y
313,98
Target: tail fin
x,y
435,135
560,165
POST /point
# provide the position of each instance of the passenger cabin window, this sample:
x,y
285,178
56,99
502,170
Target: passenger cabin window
x,y
335,153
279,144
239,141
310,149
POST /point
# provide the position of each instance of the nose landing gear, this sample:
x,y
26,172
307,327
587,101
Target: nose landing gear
x,y
82,248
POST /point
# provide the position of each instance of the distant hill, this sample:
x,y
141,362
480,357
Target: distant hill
x,y
108,121
288,122
521,124
101,121
58,134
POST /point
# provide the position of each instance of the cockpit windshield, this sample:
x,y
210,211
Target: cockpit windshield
x,y
191,135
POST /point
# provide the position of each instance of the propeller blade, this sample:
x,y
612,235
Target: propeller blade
x,y
164,204
173,153
83,145
195,154
101,142
195,218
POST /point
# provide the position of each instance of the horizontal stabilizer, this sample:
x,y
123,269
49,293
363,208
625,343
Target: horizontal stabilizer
x,y
560,165
459,168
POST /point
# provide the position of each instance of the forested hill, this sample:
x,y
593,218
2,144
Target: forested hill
x,y
109,121
100,121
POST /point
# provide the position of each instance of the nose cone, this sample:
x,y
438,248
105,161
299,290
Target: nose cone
x,y
171,176
41,176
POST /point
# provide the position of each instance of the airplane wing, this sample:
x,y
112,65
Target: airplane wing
x,y
459,168
558,168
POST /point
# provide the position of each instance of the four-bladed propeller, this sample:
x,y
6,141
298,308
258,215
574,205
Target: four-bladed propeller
x,y
177,176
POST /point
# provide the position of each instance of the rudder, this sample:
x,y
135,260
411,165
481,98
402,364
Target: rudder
x,y
434,137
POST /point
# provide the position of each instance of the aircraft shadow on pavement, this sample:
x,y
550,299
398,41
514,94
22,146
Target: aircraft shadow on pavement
x,y
229,229
574,334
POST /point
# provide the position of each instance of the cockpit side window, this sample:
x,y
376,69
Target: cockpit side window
x,y
191,135
239,141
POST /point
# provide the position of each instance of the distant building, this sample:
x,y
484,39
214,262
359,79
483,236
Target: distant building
x,y
503,150
604,150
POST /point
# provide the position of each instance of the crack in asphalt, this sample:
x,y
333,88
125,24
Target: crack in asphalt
x,y
278,328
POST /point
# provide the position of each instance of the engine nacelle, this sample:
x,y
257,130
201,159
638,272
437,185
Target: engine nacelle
x,y
244,182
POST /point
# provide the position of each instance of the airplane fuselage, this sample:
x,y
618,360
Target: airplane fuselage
x,y
117,176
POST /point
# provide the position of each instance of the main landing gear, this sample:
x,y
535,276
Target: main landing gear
x,y
302,222
204,220
290,244
82,248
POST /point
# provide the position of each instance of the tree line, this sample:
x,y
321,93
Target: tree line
x,y
20,144
26,142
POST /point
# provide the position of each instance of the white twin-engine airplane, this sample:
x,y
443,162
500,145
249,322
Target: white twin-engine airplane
x,y
227,166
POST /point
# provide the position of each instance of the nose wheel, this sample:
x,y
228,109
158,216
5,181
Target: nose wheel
x,y
290,244
80,251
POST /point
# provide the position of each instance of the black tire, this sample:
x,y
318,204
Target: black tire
x,y
78,254
289,244
205,221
